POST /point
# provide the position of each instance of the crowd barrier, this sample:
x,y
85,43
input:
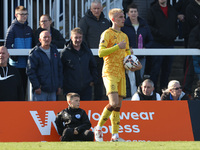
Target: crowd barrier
x,y
140,121
138,52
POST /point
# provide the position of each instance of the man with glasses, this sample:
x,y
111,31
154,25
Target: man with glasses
x,y
174,92
19,36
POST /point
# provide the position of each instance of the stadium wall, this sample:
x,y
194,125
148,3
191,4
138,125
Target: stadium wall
x,y
140,121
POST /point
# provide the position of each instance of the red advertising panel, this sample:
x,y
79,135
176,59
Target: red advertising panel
x,y
140,121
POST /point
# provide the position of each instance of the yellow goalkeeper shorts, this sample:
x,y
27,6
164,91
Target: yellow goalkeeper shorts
x,y
115,84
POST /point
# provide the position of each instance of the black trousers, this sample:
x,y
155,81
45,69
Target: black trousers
x,y
68,135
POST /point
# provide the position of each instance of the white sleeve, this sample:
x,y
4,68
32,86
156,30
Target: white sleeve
x,y
135,97
158,97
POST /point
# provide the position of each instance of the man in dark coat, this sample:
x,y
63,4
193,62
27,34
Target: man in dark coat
x,y
162,19
79,66
92,25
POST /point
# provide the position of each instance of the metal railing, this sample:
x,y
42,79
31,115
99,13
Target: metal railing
x,y
57,9
146,52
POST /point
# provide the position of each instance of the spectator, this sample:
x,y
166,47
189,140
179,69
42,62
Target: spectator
x,y
197,91
180,7
162,19
193,17
133,27
19,36
143,6
194,42
46,24
92,25
146,92
79,66
10,81
44,69
174,92
113,47
73,123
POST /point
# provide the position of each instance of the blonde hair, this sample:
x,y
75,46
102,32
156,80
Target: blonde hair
x,y
113,12
71,95
20,8
77,30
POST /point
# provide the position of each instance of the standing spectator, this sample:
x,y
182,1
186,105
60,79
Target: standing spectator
x,y
73,123
162,19
180,7
44,69
46,24
19,36
92,25
113,47
174,92
146,92
79,66
133,27
11,88
193,17
143,6
194,42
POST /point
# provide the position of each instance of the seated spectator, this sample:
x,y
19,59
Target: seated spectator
x,y
73,123
146,92
197,91
46,24
11,88
174,92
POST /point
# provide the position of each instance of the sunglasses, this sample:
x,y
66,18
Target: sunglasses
x,y
177,88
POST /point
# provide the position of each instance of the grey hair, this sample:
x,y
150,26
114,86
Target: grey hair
x,y
149,81
171,85
96,2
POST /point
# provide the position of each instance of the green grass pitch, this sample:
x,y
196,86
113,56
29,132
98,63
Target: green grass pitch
x,y
178,145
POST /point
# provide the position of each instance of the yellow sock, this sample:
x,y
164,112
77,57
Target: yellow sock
x,y
115,120
104,117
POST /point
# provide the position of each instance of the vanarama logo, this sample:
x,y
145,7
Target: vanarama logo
x,y
44,127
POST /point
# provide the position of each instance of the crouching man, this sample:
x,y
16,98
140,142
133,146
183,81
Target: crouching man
x,y
73,123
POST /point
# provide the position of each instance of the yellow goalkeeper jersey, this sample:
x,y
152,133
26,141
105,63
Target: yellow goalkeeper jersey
x,y
113,56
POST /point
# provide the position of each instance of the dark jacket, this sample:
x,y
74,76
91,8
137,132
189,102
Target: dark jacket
x,y
193,14
57,38
92,28
72,118
11,88
163,29
19,36
194,38
180,7
166,96
43,72
143,29
79,68
194,42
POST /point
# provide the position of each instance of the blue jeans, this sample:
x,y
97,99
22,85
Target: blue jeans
x,y
162,65
44,96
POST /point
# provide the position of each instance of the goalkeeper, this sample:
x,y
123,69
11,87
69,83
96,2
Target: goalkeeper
x,y
113,47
